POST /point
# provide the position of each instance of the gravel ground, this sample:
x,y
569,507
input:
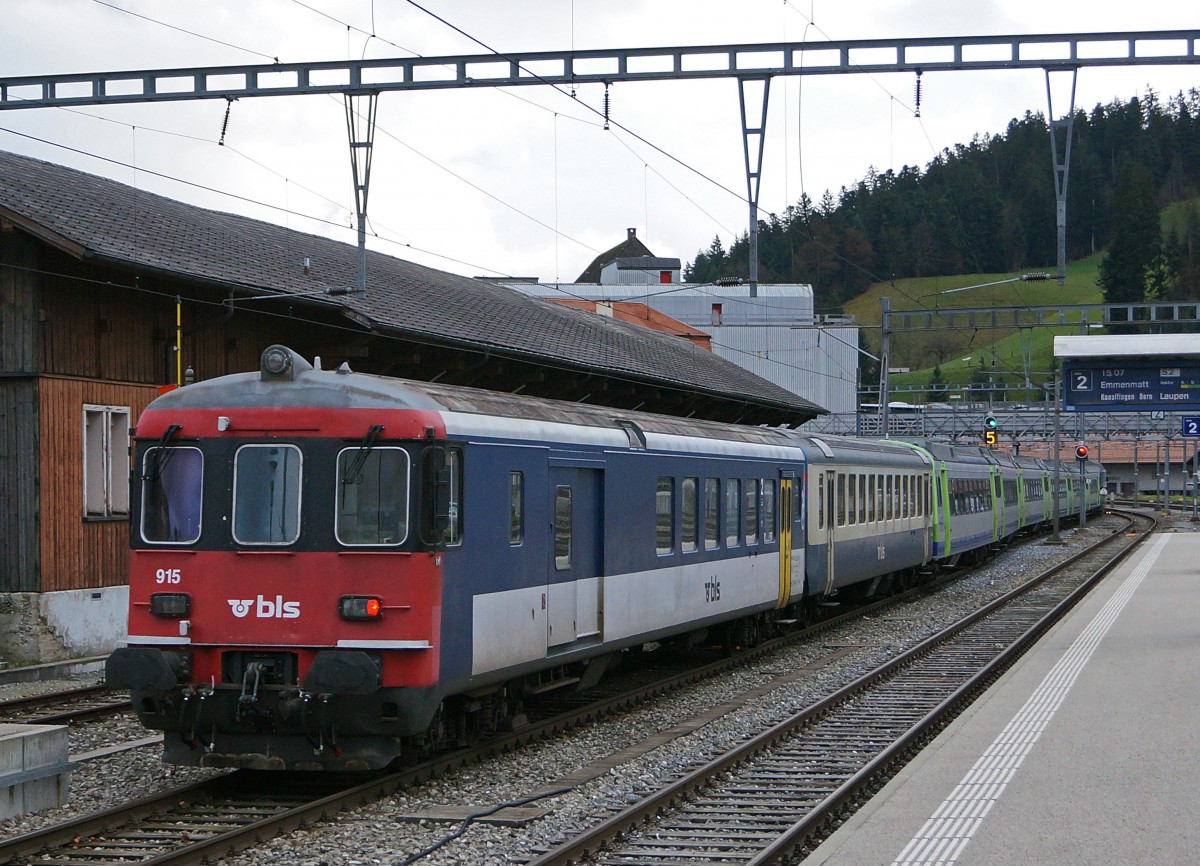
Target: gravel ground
x,y
374,834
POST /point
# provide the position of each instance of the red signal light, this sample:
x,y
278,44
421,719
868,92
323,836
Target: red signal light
x,y
1081,452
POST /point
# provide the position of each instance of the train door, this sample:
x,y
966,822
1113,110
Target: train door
x,y
832,506
573,596
930,515
786,506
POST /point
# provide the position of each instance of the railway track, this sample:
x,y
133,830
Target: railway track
x,y
773,797
64,707
200,822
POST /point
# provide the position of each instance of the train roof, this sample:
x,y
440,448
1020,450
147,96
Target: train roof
x,y
343,388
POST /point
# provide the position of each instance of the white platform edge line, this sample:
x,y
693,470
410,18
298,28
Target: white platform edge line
x,y
1059,680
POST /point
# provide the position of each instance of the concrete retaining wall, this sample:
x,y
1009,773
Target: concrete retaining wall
x,y
51,626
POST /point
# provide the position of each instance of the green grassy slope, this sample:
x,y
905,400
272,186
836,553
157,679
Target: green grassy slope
x,y
1003,354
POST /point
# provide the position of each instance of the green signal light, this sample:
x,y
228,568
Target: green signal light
x,y
990,422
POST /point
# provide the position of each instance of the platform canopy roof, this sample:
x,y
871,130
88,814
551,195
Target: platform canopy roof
x,y
415,321
1131,346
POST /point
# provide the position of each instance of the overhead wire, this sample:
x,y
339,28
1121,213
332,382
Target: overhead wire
x,y
381,129
533,74
273,59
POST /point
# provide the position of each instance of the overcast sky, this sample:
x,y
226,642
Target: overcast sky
x,y
526,182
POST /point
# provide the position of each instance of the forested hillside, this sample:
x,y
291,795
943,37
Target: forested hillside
x,y
988,207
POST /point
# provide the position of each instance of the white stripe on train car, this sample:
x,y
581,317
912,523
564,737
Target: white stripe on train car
x,y
510,627
156,639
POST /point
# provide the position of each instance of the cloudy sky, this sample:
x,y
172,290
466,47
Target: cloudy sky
x,y
526,181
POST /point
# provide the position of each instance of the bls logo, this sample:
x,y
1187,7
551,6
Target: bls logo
x,y
265,608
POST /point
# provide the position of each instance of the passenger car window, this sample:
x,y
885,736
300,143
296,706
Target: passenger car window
x,y
689,507
454,463
562,527
516,507
750,512
664,516
768,509
733,499
712,514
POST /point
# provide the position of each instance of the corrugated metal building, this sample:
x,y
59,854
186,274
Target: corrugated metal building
x,y
774,334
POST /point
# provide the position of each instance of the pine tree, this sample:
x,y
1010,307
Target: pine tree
x,y
1136,244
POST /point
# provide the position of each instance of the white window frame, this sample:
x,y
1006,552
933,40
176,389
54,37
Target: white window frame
x,y
105,436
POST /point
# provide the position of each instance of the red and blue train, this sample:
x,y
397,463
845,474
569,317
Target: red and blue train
x,y
330,569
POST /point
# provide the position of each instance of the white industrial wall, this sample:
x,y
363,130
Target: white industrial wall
x,y
819,364
774,334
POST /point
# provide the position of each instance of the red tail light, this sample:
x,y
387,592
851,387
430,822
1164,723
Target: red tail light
x,y
360,607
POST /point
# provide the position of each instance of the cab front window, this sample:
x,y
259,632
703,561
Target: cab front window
x,y
172,488
266,494
372,496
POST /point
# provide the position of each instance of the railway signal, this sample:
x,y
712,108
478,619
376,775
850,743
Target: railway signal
x,y
989,430
1081,453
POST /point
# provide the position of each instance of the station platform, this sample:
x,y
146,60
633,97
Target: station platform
x,y
1087,751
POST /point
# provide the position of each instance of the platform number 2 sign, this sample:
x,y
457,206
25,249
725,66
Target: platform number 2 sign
x,y
1191,426
1081,380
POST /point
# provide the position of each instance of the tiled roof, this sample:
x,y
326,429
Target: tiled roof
x,y
95,217
643,315
631,247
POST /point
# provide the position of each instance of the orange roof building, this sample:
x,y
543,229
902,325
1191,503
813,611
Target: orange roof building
x,y
640,314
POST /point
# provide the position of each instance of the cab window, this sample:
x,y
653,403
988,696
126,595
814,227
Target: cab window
x,y
172,493
372,496
266,494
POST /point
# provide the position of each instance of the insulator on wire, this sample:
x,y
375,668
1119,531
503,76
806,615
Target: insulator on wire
x,y
917,93
225,122
606,105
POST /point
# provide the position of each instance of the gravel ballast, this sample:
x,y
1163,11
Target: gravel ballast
x,y
375,834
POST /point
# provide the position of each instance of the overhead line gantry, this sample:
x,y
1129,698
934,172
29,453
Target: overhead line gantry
x,y
753,65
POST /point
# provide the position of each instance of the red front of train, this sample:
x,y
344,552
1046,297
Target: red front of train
x,y
285,578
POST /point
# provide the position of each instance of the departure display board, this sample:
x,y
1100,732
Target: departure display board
x,y
1109,385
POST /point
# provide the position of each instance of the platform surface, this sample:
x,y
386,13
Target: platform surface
x,y
1086,752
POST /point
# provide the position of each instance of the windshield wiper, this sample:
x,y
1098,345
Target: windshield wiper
x,y
354,471
163,453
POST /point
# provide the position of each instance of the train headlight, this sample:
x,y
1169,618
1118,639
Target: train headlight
x,y
360,607
276,360
170,604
